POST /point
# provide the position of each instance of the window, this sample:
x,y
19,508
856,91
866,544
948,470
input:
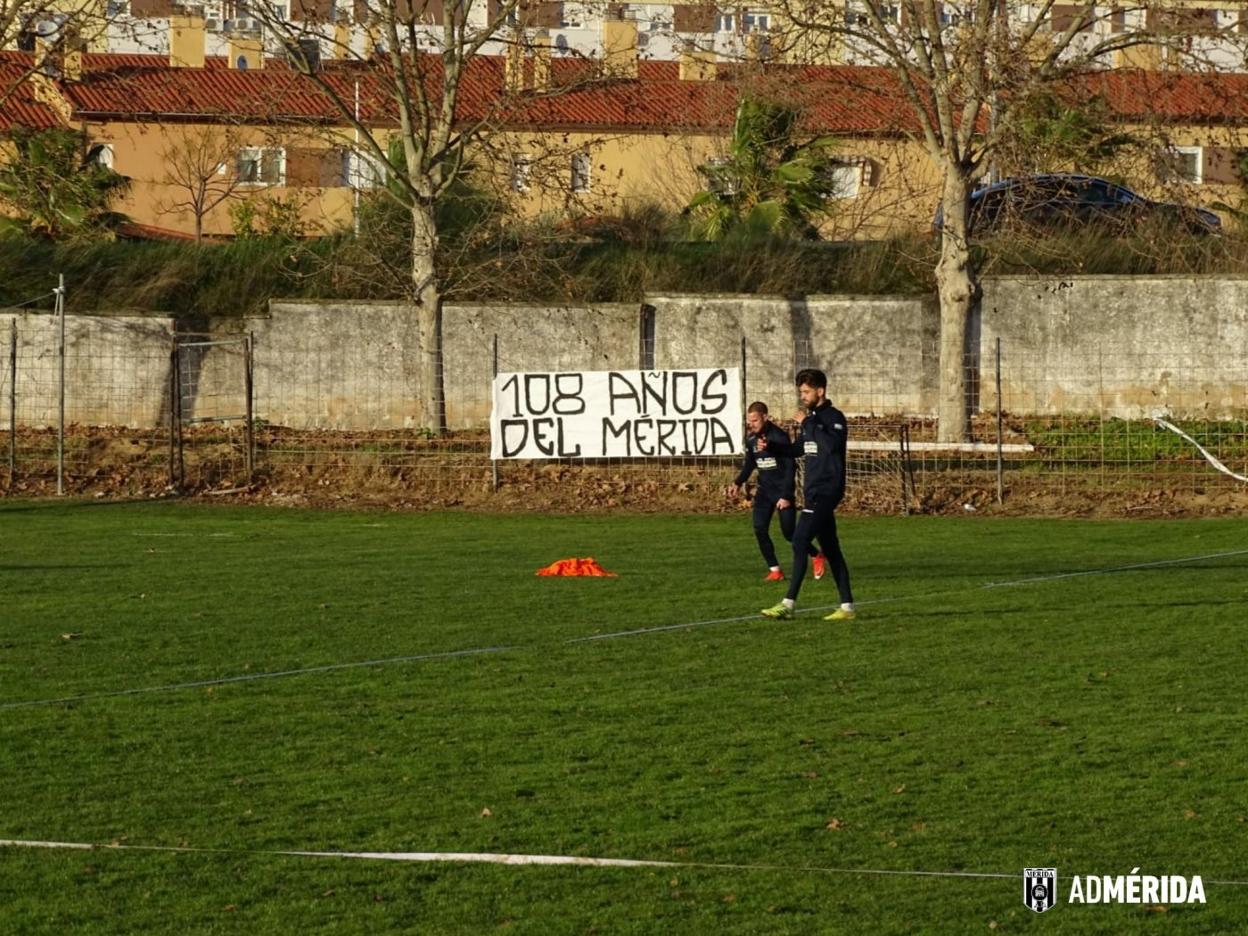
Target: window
x,y
521,173
261,165
861,18
951,16
756,22
844,178
725,23
102,155
1184,22
582,166
719,177
1181,164
1064,17
361,171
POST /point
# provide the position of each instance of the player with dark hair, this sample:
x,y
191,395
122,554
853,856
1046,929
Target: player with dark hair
x,y
777,479
822,441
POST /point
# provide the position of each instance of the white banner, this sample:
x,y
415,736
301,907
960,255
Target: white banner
x,y
617,414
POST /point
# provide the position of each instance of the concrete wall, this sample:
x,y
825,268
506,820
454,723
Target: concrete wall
x,y
356,365
1120,346
117,369
879,352
530,338
1125,346
336,365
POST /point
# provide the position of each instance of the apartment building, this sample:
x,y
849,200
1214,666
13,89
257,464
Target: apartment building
x,y
1215,34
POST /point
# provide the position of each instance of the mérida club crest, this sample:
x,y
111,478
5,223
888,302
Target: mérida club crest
x,y
1039,888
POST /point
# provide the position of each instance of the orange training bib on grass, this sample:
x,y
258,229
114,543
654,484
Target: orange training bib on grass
x,y
568,567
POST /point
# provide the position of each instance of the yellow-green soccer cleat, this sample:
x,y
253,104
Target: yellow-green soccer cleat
x,y
840,614
778,613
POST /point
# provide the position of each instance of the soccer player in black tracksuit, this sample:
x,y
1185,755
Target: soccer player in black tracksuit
x,y
822,441
777,478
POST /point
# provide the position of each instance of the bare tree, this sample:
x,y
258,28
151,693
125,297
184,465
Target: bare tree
x,y
966,71
410,85
200,171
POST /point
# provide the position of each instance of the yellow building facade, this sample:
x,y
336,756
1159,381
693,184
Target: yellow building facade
x,y
197,140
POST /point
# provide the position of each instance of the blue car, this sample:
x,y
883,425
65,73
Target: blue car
x,y
1064,201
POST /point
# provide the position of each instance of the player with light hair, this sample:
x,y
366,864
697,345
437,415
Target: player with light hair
x,y
775,493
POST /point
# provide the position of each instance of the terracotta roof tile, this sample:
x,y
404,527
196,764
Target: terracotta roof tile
x,y
139,87
20,109
833,99
1135,95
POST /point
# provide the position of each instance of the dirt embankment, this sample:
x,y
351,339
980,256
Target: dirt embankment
x,y
405,472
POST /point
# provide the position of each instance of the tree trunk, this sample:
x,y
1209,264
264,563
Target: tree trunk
x,y
428,299
957,288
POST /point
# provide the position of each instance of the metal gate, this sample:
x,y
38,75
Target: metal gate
x,y
212,440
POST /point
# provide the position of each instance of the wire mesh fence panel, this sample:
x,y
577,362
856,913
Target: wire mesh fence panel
x,y
340,417
93,413
879,406
336,411
1108,430
879,469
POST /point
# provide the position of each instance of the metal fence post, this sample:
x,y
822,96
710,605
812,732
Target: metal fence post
x,y
907,475
1100,402
1000,429
60,424
12,401
173,408
494,380
249,431
177,468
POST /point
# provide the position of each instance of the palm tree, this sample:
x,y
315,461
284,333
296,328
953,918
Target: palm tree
x,y
767,184
57,187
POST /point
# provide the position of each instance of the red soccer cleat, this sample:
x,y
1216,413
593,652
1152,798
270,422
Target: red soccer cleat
x,y
821,566
775,575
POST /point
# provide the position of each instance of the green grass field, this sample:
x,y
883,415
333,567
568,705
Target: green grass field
x,y
1095,723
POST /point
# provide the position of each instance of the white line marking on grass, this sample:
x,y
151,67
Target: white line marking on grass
x,y
1041,579
1127,568
661,628
504,859
1032,580
252,677
497,858
450,654
195,535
